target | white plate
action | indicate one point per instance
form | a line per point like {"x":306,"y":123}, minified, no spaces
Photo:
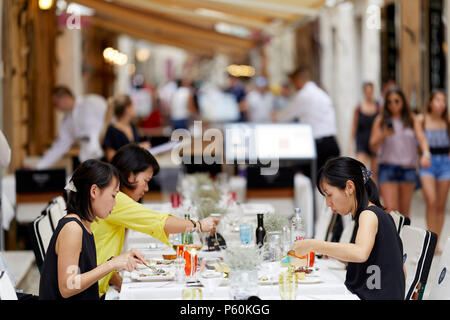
{"x":149,"y":276}
{"x":267,"y":282}
{"x":310,"y":280}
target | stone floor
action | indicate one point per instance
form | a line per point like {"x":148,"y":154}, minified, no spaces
{"x":30,"y":284}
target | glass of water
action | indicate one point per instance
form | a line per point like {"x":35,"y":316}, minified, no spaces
{"x":246,"y":233}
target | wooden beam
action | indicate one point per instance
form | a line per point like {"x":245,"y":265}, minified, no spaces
{"x":196,"y":46}
{"x":272,"y":6}
{"x":234,"y":9}
{"x":192,"y":14}
{"x":151,"y":37}
{"x":163,"y":26}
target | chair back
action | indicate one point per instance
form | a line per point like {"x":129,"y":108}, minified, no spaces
{"x":440,"y":287}
{"x":418,"y":251}
{"x":400,"y":220}
{"x":42,"y":228}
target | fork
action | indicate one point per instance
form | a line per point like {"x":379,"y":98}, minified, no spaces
{"x":157,"y":271}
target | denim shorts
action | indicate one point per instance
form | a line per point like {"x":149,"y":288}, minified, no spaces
{"x":395,"y":173}
{"x":439,"y":168}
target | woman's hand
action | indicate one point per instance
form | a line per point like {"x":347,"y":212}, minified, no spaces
{"x":209,"y":224}
{"x":425,"y":161}
{"x":302,"y":247}
{"x":127,"y":261}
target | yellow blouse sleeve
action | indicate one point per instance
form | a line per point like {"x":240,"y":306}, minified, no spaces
{"x":133,"y":215}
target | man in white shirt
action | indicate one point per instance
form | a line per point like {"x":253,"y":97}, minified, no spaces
{"x":260,"y":102}
{"x":5,"y":151}
{"x":313,"y":106}
{"x":83,"y":122}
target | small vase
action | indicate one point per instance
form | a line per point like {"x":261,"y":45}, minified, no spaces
{"x":243,"y":284}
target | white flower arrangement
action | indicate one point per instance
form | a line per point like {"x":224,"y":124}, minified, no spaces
{"x":206,"y":206}
{"x":273,"y":221}
{"x":240,"y":257}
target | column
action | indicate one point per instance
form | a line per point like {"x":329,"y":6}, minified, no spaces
{"x":371,"y":44}
{"x":346,"y":94}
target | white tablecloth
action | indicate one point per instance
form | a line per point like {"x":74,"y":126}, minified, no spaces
{"x":331,"y":286}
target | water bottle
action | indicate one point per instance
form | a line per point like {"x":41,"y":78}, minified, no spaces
{"x":297,"y":226}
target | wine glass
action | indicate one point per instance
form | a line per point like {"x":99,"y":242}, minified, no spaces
{"x":210,"y":278}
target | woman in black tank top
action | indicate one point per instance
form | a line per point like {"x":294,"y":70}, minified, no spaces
{"x":70,"y":268}
{"x":375,"y":268}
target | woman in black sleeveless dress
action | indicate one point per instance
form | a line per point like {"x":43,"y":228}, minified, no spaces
{"x":375,"y":268}
{"x":363,"y":118}
{"x":70,"y":268}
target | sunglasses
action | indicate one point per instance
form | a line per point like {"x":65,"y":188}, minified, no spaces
{"x":396,"y":101}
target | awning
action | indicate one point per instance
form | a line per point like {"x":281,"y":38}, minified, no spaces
{"x":207,"y":27}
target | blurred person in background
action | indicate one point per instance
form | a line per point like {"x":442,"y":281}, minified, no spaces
{"x":434,"y":124}
{"x":122,"y":131}
{"x":363,"y":117}
{"x":83,"y":122}
{"x":5,"y":151}
{"x":313,"y":106}
{"x":182,"y":105}
{"x":394,"y":138}
{"x":237,"y":89}
{"x":284,"y":97}
{"x":260,"y":102}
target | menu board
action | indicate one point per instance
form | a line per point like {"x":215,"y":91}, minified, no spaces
{"x":283,"y":141}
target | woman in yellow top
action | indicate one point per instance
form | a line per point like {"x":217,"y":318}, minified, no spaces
{"x":136,"y":167}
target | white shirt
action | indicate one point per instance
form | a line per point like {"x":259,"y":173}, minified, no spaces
{"x":260,"y":106}
{"x":313,"y":106}
{"x":5,"y":151}
{"x":84,"y":124}
{"x":179,"y":104}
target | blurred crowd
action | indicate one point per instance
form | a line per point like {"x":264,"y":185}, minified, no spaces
{"x":406,"y":150}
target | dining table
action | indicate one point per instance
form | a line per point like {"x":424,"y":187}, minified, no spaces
{"x":327,"y":283}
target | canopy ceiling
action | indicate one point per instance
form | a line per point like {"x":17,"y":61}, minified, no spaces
{"x":201,"y":26}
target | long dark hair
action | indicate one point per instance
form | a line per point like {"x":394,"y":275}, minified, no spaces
{"x":444,"y":114}
{"x":405,"y":113}
{"x":336,"y":172}
{"x":132,"y":158}
{"x":90,"y":172}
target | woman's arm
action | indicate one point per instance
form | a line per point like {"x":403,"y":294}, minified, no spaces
{"x":379,"y":134}
{"x":179,"y":225}
{"x":357,"y":252}
{"x":68,"y":249}
{"x":425,"y":159}
{"x":109,"y":153}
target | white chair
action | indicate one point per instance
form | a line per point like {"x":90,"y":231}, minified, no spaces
{"x":303,"y":199}
{"x":440,"y":288}
{"x":42,"y":228}
{"x":7,"y":291}
{"x":324,"y":218}
{"x":418,"y":251}
{"x":349,"y":227}
{"x":400,"y":220}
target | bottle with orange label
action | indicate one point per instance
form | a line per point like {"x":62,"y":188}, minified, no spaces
{"x":298,"y":233}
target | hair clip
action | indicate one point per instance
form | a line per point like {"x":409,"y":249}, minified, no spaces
{"x":366,"y":174}
{"x":70,"y":186}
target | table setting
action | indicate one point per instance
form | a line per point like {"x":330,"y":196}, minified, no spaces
{"x":200,"y":267}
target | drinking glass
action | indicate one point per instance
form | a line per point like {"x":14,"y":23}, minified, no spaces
{"x":192,"y":294}
{"x":246,"y":233}
{"x":209,"y":277}
{"x":288,"y":285}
